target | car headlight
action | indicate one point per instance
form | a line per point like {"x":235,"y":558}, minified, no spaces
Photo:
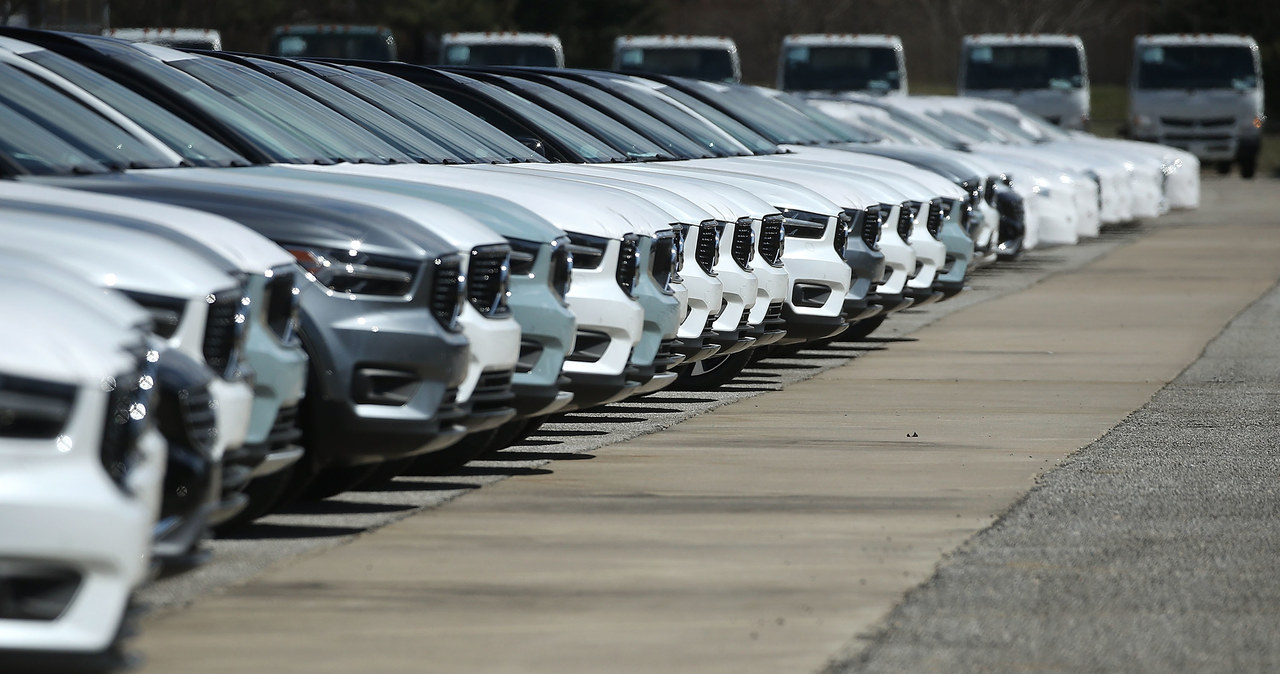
{"x":34,"y":408}
{"x":355,"y":272}
{"x":588,"y":251}
{"x":804,"y":224}
{"x":166,"y":312}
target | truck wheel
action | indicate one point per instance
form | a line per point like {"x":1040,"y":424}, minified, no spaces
{"x":1248,"y":164}
{"x":713,"y":372}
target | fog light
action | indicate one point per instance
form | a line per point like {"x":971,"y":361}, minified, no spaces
{"x":374,"y":386}
{"x":810,"y":295}
{"x":35,"y":591}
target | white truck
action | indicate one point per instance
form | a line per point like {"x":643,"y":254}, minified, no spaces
{"x":866,"y":64}
{"x":502,"y":49}
{"x":1199,"y":93}
{"x":1046,"y":75}
{"x":701,"y":57}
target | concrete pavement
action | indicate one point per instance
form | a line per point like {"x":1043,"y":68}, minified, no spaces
{"x":760,"y":536}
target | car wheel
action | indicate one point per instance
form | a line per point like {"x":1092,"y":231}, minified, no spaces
{"x":711,"y":373}
{"x":862,"y":329}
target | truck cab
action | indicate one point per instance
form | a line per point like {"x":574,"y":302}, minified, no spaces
{"x":1046,"y":75}
{"x":866,"y":64}
{"x":502,"y":49}
{"x":370,"y":43}
{"x":700,"y":57}
{"x":1199,"y":93}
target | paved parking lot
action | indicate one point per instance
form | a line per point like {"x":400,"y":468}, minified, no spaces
{"x":774,"y":530}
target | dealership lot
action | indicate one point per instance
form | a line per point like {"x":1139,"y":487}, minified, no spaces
{"x":765,"y":535}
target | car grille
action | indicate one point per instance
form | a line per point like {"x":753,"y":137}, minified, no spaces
{"x":199,"y":418}
{"x":773,"y":240}
{"x":222,"y":330}
{"x":707,"y":252}
{"x":744,"y":243}
{"x":447,"y":290}
{"x":905,"y":216}
{"x":628,"y":272}
{"x":126,"y":412}
{"x":934,"y":220}
{"x":284,"y":431}
{"x":844,"y":225}
{"x":662,"y":260}
{"x":487,"y":278}
{"x":281,"y":304}
{"x":1188,"y":122}
{"x":493,"y":391}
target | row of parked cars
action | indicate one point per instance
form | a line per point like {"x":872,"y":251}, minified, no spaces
{"x":246,"y":280}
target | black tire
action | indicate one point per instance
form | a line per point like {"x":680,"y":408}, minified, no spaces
{"x":454,"y":456}
{"x":1248,"y":164}
{"x":1223,"y":168}
{"x":334,"y":481}
{"x":265,"y":494}
{"x":712,"y":373}
{"x":862,"y":329}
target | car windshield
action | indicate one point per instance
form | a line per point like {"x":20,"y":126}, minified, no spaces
{"x":193,"y":144}
{"x":276,"y":142}
{"x":588,"y":147}
{"x":715,"y":63}
{"x":748,"y":109}
{"x":453,"y":144}
{"x":840,"y":68}
{"x":476,"y":131}
{"x":1011,"y":125}
{"x":1196,"y":67}
{"x":1023,"y":67}
{"x":970,"y":127}
{"x":340,"y":138}
{"x":663,"y":109}
{"x":927,"y":128}
{"x":599,"y":124}
{"x":673,"y":142}
{"x":370,"y":46}
{"x":36,"y":151}
{"x":838,"y":129}
{"x":539,"y":55}
{"x":74,"y":122}
{"x":737,"y":130}
{"x":389,"y":129}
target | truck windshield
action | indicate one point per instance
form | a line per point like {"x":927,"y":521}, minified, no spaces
{"x":540,"y":55}
{"x":1196,"y":67}
{"x":700,"y":64}
{"x":1023,"y":67}
{"x":807,"y":68}
{"x":370,"y":46}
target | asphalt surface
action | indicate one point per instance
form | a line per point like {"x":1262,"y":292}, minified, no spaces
{"x":1154,"y":549}
{"x":788,"y":515}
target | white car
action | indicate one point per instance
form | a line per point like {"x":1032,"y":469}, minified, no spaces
{"x":81,"y":467}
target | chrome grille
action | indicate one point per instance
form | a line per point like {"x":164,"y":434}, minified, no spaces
{"x":905,"y":217}
{"x":772,"y":240}
{"x":488,"y":274}
{"x":844,"y":225}
{"x":662,"y":260}
{"x":707,"y":252}
{"x":222,"y":331}
{"x":447,"y":288}
{"x":126,"y":413}
{"x":282,"y":303}
{"x":744,"y":243}
{"x":628,"y":271}
{"x":933,"y":221}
